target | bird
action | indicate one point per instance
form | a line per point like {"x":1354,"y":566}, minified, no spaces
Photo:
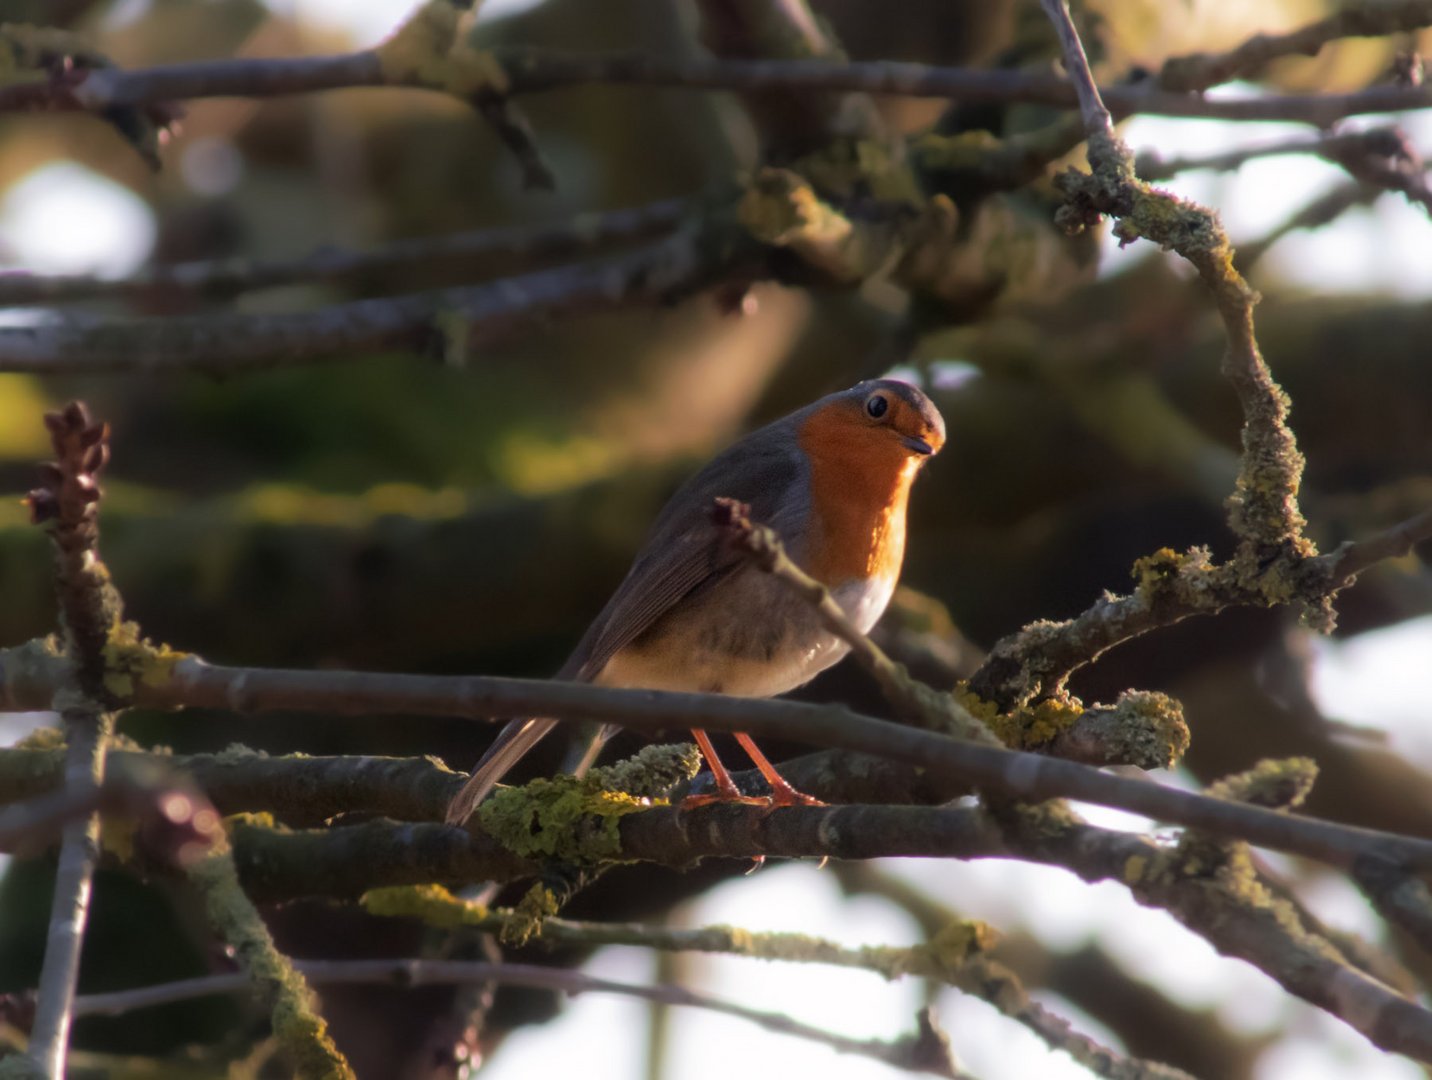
{"x":833,"y":481}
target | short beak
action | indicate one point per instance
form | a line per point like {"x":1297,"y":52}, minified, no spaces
{"x":919,"y":446}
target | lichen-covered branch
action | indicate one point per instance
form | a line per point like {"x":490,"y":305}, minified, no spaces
{"x":299,"y":1029}
{"x":1263,"y":509}
{"x":190,"y":682}
{"x":1218,"y":896}
{"x":1275,"y":563}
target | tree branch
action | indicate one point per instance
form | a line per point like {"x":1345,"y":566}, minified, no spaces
{"x":1218,"y":897}
{"x":299,"y":1029}
{"x":1380,"y":141}
{"x":1199,"y":71}
{"x":911,"y":1053}
{"x":86,"y":730}
{"x":188,"y":682}
{"x":446,"y":321}
{"x":529,"y":70}
{"x":170,"y":809}
{"x":955,"y":956}
{"x":67,"y":504}
{"x":224,"y":278}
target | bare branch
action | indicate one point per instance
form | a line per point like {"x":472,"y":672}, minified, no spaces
{"x":529,"y":70}
{"x":223,"y":278}
{"x":74,"y":876}
{"x":956,"y":956}
{"x":1199,"y":71}
{"x":1321,"y":211}
{"x":1352,"y":558}
{"x":1381,"y":141}
{"x":908,"y":1053}
{"x":446,"y":321}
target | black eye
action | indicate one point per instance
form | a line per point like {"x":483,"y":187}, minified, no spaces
{"x":877,"y":405}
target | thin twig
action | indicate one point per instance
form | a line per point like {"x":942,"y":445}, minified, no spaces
{"x":67,"y":504}
{"x":900,"y":1053}
{"x":86,"y":731}
{"x":1091,"y":106}
{"x":1323,"y":210}
{"x":918,"y":702}
{"x":1347,"y":561}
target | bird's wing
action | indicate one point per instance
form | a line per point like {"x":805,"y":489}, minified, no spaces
{"x":683,"y":553}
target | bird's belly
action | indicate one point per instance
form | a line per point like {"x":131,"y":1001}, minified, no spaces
{"x":769,"y":642}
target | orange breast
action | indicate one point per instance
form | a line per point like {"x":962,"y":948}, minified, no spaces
{"x":860,"y":486}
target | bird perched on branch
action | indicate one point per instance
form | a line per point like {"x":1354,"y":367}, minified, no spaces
{"x":833,"y":480}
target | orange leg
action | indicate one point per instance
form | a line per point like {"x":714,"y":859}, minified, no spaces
{"x":726,"y":789}
{"x":782,"y":794}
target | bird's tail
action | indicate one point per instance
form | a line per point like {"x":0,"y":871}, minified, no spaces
{"x":506,"y":750}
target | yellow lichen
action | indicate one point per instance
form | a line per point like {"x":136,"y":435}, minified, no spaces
{"x":651,"y":772}
{"x":43,"y":738}
{"x":1026,"y":727}
{"x":1042,"y":722}
{"x":1277,"y":783}
{"x":1150,"y":728}
{"x":131,"y":660}
{"x":433,"y":48}
{"x":566,"y":818}
{"x":846,"y":168}
{"x":959,"y":940}
{"x":433,"y":904}
{"x":296,"y":1025}
{"x":538,"y":904}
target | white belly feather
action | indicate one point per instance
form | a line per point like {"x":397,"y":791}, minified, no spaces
{"x":693,"y":663}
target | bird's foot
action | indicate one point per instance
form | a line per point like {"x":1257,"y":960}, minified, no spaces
{"x":783,"y":794}
{"x":693,"y":802}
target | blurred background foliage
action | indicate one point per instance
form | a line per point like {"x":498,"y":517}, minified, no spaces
{"x":391,"y":512}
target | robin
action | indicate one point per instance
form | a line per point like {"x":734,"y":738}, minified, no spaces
{"x":833,"y":480}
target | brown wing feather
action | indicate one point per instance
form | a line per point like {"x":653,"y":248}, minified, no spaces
{"x":684,"y":552}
